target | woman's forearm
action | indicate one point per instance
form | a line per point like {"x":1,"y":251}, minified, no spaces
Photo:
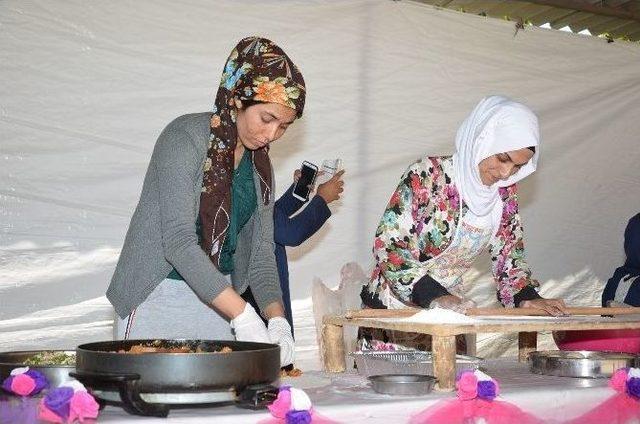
{"x":229,"y":303}
{"x":274,"y":309}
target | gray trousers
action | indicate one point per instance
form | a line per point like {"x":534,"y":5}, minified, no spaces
{"x":173,"y":311}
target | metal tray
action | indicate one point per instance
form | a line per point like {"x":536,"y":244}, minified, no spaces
{"x":56,"y":374}
{"x":403,"y":384}
{"x":581,"y":363}
{"x":373,"y":362}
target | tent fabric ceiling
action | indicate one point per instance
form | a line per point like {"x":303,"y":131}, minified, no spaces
{"x":90,"y":85}
{"x":617,"y":18}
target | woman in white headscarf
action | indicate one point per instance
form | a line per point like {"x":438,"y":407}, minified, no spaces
{"x":447,"y":210}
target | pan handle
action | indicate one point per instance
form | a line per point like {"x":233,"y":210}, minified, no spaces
{"x":128,"y":387}
{"x":257,"y":396}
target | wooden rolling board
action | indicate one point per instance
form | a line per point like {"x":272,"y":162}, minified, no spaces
{"x":478,"y":312}
{"x":522,"y":324}
{"x":444,"y":336}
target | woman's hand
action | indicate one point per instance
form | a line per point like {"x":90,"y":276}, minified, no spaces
{"x":453,"y":303}
{"x":280,"y":333}
{"x":249,"y":327}
{"x":555,"y":307}
{"x":332,"y":189}
{"x":296,"y":176}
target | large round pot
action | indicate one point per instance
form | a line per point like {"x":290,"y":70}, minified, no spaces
{"x":248,"y":364}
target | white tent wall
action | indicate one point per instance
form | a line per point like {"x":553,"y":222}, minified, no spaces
{"x":88,"y":86}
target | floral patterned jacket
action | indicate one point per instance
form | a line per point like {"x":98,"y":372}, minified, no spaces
{"x":419,"y":222}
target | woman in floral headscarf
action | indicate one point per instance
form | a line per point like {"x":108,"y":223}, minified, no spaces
{"x":447,"y":210}
{"x":202,"y":233}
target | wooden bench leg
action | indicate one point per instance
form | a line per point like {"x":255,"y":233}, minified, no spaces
{"x":333,"y":348}
{"x":471,"y":341}
{"x":444,"y":361}
{"x":527,"y":343}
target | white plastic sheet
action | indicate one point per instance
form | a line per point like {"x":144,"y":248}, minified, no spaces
{"x":88,"y":86}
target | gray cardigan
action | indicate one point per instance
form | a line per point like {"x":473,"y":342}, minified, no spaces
{"x":162,"y":232}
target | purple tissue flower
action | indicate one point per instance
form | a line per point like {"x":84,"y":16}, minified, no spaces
{"x":6,"y":384}
{"x":298,"y":417}
{"x":40,"y":380}
{"x":58,"y":401}
{"x":633,"y":387}
{"x":486,"y":390}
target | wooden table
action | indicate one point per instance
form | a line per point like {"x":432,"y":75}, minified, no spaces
{"x":443,"y":336}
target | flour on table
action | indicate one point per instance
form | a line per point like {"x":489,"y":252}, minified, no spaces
{"x":439,"y":316}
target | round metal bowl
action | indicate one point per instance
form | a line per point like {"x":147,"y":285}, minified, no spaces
{"x":56,"y":374}
{"x":249,"y":363}
{"x":581,"y":363}
{"x":403,"y":384}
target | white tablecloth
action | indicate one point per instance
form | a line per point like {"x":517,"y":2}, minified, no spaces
{"x":348,"y":398}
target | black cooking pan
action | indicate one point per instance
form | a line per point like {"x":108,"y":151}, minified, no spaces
{"x":141,"y":376}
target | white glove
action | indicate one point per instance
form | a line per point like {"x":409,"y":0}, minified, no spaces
{"x":249,"y":327}
{"x":453,"y":303}
{"x":280,"y":333}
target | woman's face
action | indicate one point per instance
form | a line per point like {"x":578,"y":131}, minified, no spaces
{"x":503,"y":165}
{"x":263,"y":123}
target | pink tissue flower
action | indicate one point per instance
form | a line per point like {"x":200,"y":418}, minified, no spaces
{"x":23,"y":385}
{"x":618,"y":380}
{"x":467,"y":386}
{"x":45,"y":414}
{"x":282,"y":404}
{"x":82,"y":406}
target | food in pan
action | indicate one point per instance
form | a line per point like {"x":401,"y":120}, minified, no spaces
{"x":51,"y":358}
{"x":158,"y":346}
{"x":140,"y":348}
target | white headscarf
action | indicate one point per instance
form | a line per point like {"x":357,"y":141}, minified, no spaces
{"x":496,"y":125}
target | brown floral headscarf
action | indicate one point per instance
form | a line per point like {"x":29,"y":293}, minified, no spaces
{"x":258,"y":70}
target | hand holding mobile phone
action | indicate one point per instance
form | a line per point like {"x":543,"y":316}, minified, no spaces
{"x":302,"y":188}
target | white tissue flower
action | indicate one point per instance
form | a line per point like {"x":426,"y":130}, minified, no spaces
{"x":299,"y":400}
{"x":481,"y":376}
{"x":18,"y":371}
{"x":634,"y":373}
{"x":75,"y":385}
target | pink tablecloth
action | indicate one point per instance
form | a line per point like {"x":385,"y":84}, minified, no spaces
{"x":348,"y":398}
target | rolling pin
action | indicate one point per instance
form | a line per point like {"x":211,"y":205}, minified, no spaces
{"x":403,"y":313}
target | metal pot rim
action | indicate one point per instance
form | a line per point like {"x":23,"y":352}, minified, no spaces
{"x":88,"y":347}
{"x":578,"y":355}
{"x":402,"y":378}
